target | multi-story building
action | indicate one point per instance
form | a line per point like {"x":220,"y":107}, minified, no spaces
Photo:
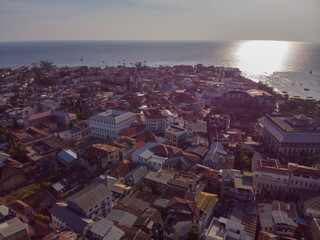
{"x":92,"y":201}
{"x":277,"y":217}
{"x":176,"y":135}
{"x":236,"y":185}
{"x":110,"y":123}
{"x":235,"y":96}
{"x":127,"y":145}
{"x":260,"y":96}
{"x":302,"y":177}
{"x":220,"y":121}
{"x":78,"y":132}
{"x":269,"y":176}
{"x":288,"y":137}
{"x":218,"y":158}
{"x":159,"y":156}
{"x":154,"y":120}
{"x":99,"y":157}
{"x":89,"y":203}
{"x":183,"y":215}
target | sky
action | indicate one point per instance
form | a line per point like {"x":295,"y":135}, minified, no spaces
{"x":205,"y":20}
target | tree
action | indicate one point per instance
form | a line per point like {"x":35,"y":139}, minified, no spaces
{"x":17,"y":150}
{"x":192,"y":235}
{"x":149,"y":136}
{"x":309,"y":159}
{"x":3,"y":133}
{"x":42,"y":218}
{"x":46,"y":65}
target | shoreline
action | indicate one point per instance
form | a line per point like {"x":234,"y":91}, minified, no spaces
{"x":254,"y":80}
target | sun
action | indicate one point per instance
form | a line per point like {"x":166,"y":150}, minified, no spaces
{"x":262,"y":57}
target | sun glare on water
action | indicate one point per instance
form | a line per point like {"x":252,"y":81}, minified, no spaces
{"x":262,"y":57}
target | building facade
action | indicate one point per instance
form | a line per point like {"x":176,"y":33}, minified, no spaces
{"x":176,"y":135}
{"x":109,"y":124}
{"x":288,"y":138}
{"x":268,"y":176}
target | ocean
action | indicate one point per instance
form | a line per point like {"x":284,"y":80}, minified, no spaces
{"x":293,"y":67}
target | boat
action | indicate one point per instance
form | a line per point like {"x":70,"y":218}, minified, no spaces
{"x":309,"y":97}
{"x":81,"y":58}
{"x":306,"y":89}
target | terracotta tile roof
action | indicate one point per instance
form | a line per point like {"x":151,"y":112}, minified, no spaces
{"x":145,"y":196}
{"x":185,"y":210}
{"x":129,"y":208}
{"x":39,"y":115}
{"x":140,"y":144}
{"x":28,"y":135}
{"x":133,"y":131}
{"x":122,"y":168}
{"x":153,"y":114}
{"x":165,"y":150}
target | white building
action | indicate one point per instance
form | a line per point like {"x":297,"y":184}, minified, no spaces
{"x":172,"y":118}
{"x":269,"y":176}
{"x":78,"y":132}
{"x":287,"y":137}
{"x":148,"y":158}
{"x":302,"y":177}
{"x":176,"y":135}
{"x":278,"y":217}
{"x":111,"y":123}
{"x":92,"y":201}
{"x":154,"y":120}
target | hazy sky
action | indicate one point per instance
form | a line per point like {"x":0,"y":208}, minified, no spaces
{"x":293,"y":20}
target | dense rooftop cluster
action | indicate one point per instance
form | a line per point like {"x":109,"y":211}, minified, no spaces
{"x":140,"y":152}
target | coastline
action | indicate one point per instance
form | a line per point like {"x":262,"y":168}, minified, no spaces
{"x":301,"y":58}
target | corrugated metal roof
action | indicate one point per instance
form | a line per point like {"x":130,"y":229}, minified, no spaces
{"x":102,"y":227}
{"x":137,"y":174}
{"x":4,"y":211}
{"x":281,"y":217}
{"x":160,"y":176}
{"x":136,"y":202}
{"x":67,"y":155}
{"x":206,"y":201}
{"x":73,"y":220}
{"x":90,"y":196}
{"x":12,"y":226}
{"x":114,"y":234}
{"x":125,"y":218}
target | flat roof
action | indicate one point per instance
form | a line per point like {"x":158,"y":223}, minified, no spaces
{"x":114,"y":116}
{"x":176,"y":129}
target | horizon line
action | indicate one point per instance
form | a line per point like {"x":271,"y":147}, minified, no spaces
{"x":154,"y":40}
